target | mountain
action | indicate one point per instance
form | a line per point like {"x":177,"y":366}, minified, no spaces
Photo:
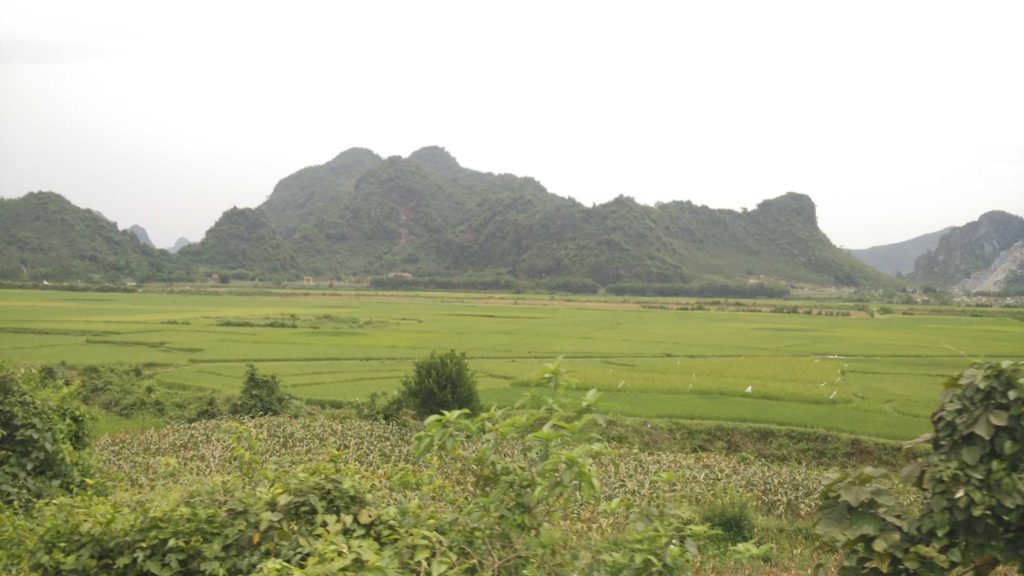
{"x":898,"y":259}
{"x":315,"y":189}
{"x":1006,"y":273}
{"x":45,"y":237}
{"x":361,"y":214}
{"x":243,"y":244}
{"x":178,"y":245}
{"x":968,"y":249}
{"x":141,"y":234}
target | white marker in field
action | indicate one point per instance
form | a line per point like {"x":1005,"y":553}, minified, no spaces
{"x":750,"y":389}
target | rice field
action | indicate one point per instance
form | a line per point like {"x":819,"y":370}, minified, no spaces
{"x":870,"y":375}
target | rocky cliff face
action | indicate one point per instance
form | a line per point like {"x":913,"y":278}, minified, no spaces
{"x":993,"y":279}
{"x":968,"y":249}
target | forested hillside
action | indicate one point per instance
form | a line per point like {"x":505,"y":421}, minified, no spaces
{"x":360,"y":215}
{"x":43,"y":237}
{"x":241,"y":243}
{"x":427,"y":215}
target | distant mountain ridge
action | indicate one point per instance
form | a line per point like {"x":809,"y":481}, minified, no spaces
{"x":180,"y":243}
{"x":968,"y":249}
{"x":45,"y":237}
{"x":425,"y":214}
{"x":898,"y":258}
{"x":361,"y":215}
{"x":141,"y":234}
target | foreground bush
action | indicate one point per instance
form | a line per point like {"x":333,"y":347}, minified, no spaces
{"x":316,"y":518}
{"x":972,"y":487}
{"x":42,"y":431}
{"x":510,"y":491}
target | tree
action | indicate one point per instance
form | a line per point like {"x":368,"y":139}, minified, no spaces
{"x":261,"y":395}
{"x":441,"y":381}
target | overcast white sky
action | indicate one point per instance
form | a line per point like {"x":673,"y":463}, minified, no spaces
{"x":897,"y":118}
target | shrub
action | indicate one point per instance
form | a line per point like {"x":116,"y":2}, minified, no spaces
{"x":315,"y":518}
{"x":971,"y":486}
{"x":732,"y":515}
{"x":441,"y":381}
{"x":208,"y":410}
{"x":261,"y":395}
{"x":42,"y":431}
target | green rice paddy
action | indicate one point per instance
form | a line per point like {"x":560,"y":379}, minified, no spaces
{"x":875,"y":376}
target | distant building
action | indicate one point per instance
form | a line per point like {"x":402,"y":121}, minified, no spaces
{"x":215,"y":278}
{"x":307,"y":280}
{"x":399,"y":275}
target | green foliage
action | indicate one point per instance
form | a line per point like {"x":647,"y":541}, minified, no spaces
{"x":568,"y":285}
{"x":481,"y":282}
{"x":45,"y":237}
{"x":42,"y":432}
{"x":498,"y":494}
{"x":121,"y":391}
{"x":210,"y":408}
{"x":360,"y":214}
{"x":315,"y":519}
{"x":732,"y":515}
{"x":532,"y":465}
{"x":240,"y":245}
{"x":720,"y":289}
{"x":972,"y":487}
{"x":261,"y":395}
{"x":441,"y":381}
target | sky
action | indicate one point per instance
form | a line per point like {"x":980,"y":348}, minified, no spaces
{"x":897,"y":117}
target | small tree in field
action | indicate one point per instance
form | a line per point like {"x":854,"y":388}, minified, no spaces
{"x":261,"y":395}
{"x":441,"y":381}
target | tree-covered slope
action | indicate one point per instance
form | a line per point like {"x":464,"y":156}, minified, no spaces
{"x":898,"y":258}
{"x":312,"y":190}
{"x":426,"y":215}
{"x":967,"y":249}
{"x":242,"y":241}
{"x":363,"y":215}
{"x":45,"y":237}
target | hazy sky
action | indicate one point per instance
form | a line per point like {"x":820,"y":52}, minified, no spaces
{"x":897,"y":118}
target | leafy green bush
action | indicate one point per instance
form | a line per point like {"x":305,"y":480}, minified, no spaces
{"x":317,"y":518}
{"x":42,"y":431}
{"x":532,"y":466}
{"x":971,"y":485}
{"x":732,"y":515}
{"x":505,"y":492}
{"x":122,"y":391}
{"x":261,"y":395}
{"x":209,"y":409}
{"x":441,"y":381}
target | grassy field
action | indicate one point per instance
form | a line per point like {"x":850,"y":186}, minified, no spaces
{"x":871,"y":375}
